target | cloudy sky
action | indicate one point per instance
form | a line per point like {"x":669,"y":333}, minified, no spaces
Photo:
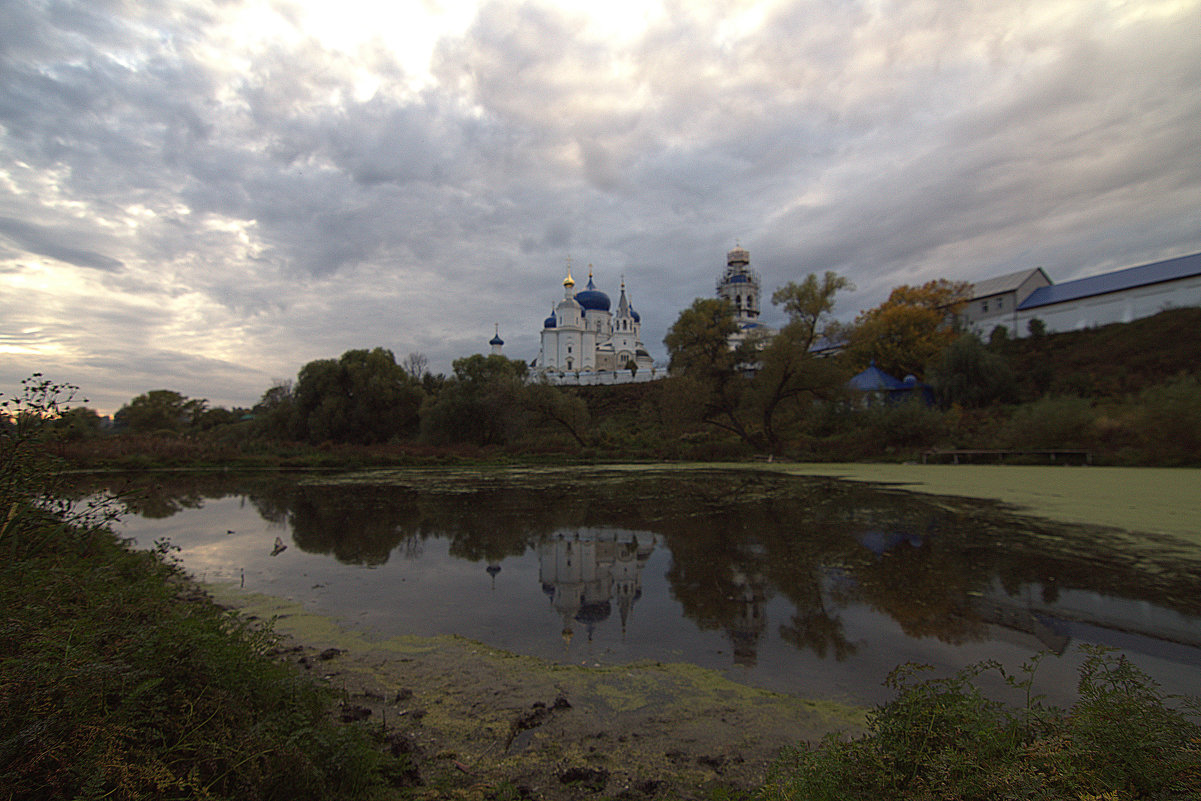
{"x":203,"y":195}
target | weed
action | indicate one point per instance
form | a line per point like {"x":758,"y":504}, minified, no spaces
{"x":943,"y":738}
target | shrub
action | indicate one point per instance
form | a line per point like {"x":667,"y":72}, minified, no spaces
{"x":970,"y":375}
{"x":943,"y":738}
{"x":1171,"y":421}
{"x":1064,"y":422}
{"x":904,"y":425}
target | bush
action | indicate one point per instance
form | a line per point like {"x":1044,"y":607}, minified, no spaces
{"x":970,"y":375}
{"x":1052,"y":423}
{"x":943,"y":738}
{"x":910,"y":424}
{"x":1171,"y":421}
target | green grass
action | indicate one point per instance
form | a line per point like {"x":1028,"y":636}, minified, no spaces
{"x":945,"y":739}
{"x":114,"y":685}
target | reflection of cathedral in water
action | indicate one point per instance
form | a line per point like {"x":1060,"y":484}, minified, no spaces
{"x":586,"y":572}
{"x":750,"y":619}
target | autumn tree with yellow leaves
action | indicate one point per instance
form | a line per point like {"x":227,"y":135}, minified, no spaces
{"x":911,"y":329}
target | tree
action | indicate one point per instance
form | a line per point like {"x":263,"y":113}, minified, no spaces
{"x":790,"y":376}
{"x":160,"y":410}
{"x":552,"y":404}
{"x":363,"y":397}
{"x":482,"y":403}
{"x":77,"y":423}
{"x":416,"y":365}
{"x":698,"y":346}
{"x":911,"y":329}
{"x":970,"y":375}
{"x":275,"y":413}
{"x":754,"y":388}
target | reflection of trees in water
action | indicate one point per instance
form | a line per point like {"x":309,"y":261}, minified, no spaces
{"x":356,"y":524}
{"x":158,"y":496}
{"x":736,"y":540}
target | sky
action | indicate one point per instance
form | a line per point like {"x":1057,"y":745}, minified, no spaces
{"x":204,"y":195}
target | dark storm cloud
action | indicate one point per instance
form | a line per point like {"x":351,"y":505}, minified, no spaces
{"x":48,"y":242}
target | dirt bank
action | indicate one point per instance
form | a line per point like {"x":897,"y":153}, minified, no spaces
{"x":484,"y":723}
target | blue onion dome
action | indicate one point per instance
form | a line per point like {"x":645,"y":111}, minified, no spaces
{"x":550,"y":321}
{"x":496,"y":340}
{"x":592,"y":299}
{"x":637,"y":317}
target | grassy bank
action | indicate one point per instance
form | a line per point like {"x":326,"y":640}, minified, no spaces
{"x":118,"y":680}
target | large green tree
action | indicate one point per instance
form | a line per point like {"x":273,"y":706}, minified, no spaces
{"x":160,"y":410}
{"x":482,"y":403}
{"x":968,"y":374}
{"x":755,"y":387}
{"x":362,"y":397}
{"x":706,"y":367}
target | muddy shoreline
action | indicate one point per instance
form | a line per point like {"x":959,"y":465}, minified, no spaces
{"x":483,"y":723}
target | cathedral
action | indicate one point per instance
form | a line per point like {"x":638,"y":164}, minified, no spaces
{"x":583,"y":335}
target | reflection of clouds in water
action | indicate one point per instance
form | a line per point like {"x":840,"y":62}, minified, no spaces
{"x":817,"y":588}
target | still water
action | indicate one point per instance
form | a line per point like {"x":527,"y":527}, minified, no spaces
{"x":810,"y":586}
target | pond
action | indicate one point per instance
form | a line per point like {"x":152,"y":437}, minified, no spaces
{"x":811,"y":586}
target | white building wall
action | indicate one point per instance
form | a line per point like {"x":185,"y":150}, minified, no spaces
{"x":1114,"y":307}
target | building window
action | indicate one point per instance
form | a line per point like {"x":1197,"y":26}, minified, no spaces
{"x":984,"y":305}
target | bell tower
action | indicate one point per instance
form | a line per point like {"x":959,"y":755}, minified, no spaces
{"x":739,"y":286}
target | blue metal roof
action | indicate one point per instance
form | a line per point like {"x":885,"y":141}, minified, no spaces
{"x":1117,"y":281}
